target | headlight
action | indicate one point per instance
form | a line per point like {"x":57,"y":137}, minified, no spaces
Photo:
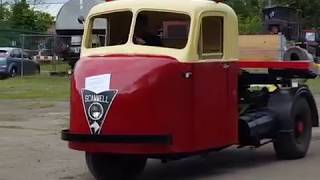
{"x":3,"y":66}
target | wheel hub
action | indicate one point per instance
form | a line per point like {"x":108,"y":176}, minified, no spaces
{"x":299,"y":128}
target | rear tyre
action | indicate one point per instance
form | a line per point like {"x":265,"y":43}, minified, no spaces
{"x":115,"y":167}
{"x":38,"y":71}
{"x":13,"y":72}
{"x":295,"y":145}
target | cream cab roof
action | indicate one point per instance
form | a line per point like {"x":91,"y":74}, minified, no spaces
{"x":187,"y":6}
{"x":193,"y":8}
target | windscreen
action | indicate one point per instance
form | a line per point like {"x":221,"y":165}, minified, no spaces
{"x":110,"y":29}
{"x":3,"y":53}
{"x":162,"y":29}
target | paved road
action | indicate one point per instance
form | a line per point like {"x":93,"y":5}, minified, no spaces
{"x":30,"y":148}
{"x":244,"y":164}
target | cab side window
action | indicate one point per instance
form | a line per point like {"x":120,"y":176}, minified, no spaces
{"x":211,"y":38}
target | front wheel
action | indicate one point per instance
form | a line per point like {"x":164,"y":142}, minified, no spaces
{"x":115,"y":167}
{"x":295,"y":145}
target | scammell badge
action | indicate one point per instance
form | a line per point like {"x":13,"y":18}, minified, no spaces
{"x":96,"y":107}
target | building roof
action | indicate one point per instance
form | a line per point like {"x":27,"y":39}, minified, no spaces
{"x":67,"y":18}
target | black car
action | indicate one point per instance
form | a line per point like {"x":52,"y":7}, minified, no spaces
{"x":14,"y":61}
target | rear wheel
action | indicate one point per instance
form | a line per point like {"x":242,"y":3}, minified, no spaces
{"x":13,"y":72}
{"x":115,"y":167}
{"x":295,"y":145}
{"x":38,"y":70}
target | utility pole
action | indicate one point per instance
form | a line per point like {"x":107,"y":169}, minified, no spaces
{"x":81,"y":4}
{"x":1,"y":11}
{"x":269,"y":3}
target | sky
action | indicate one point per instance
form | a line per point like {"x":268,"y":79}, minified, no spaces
{"x":50,"y":6}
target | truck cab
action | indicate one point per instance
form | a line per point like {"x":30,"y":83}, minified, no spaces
{"x":177,"y":27}
{"x":162,"y":80}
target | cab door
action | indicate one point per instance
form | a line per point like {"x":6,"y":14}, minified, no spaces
{"x":214,"y":123}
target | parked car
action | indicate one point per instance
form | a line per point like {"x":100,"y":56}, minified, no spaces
{"x":14,"y":61}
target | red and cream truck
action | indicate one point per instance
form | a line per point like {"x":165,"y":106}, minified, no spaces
{"x":163,"y":80}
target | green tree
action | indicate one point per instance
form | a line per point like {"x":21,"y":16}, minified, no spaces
{"x":250,"y":25}
{"x":309,"y":11}
{"x":22,"y":16}
{"x":25,"y":18}
{"x":4,"y":13}
{"x":249,"y":13}
{"x":43,"y":21}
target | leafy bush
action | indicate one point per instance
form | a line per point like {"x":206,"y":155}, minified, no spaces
{"x":250,"y":25}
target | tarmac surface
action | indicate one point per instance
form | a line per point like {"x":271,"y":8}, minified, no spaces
{"x":30,"y":148}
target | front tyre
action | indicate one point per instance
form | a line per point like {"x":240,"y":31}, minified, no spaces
{"x":13,"y":72}
{"x":295,"y":145}
{"x":115,"y":167}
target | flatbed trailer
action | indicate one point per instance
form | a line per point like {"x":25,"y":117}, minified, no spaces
{"x":182,"y":92}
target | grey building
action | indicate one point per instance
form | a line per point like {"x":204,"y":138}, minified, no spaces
{"x":67,"y":18}
{"x":68,"y":29}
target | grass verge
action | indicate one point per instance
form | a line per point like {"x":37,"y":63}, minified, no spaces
{"x":314,"y":85}
{"x":59,"y":67}
{"x":41,"y":87}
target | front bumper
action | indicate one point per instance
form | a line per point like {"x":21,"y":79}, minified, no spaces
{"x":122,"y":139}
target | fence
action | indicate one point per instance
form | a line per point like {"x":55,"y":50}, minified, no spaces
{"x":54,"y":50}
{"x":11,"y":37}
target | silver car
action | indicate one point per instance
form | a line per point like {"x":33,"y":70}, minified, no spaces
{"x":13,"y":62}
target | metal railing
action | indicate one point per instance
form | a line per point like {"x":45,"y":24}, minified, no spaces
{"x":49,"y":49}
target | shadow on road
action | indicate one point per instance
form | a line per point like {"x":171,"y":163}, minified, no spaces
{"x":216,"y":164}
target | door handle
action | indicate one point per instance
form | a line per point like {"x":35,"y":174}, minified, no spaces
{"x":226,"y":66}
{"x":187,"y":75}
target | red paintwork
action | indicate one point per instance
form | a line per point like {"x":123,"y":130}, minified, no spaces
{"x":297,"y":65}
{"x":156,"y":99}
{"x":214,"y":99}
